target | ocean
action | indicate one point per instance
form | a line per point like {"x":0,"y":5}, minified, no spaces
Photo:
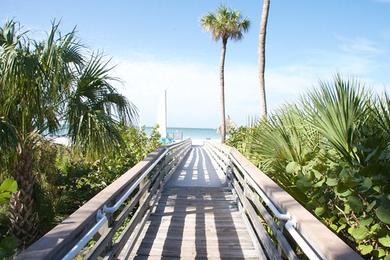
{"x":177,"y":133}
{"x":193,"y":133}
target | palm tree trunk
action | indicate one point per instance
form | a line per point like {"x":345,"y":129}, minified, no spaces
{"x":24,"y":219}
{"x":262,"y":37}
{"x":222,"y":82}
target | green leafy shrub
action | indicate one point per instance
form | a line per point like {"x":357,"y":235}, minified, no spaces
{"x":332,"y":153}
{"x":8,"y":243}
{"x":67,"y":180}
{"x":76,"y":180}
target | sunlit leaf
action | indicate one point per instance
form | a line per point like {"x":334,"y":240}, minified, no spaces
{"x":385,"y":241}
{"x":358,"y":233}
{"x":365,"y":249}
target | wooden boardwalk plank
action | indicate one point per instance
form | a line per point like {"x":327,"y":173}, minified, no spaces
{"x":196,"y":217}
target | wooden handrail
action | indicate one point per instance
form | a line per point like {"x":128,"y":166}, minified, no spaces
{"x":57,"y":242}
{"x":243,"y":175}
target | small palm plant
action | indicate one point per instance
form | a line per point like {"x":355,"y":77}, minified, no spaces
{"x":382,"y":113}
{"x":223,"y":25}
{"x":43,"y":86}
{"x":338,"y":110}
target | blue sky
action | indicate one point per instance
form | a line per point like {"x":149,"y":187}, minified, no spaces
{"x":160,"y":45}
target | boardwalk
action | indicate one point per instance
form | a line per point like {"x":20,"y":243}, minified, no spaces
{"x":196,"y":217}
{"x":200,"y":212}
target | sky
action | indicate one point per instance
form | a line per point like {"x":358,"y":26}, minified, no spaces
{"x":158,"y":45}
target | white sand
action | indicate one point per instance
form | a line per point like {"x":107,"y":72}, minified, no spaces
{"x":201,"y":141}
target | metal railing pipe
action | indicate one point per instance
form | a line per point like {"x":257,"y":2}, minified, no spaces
{"x":130,"y":190}
{"x":86,"y":238}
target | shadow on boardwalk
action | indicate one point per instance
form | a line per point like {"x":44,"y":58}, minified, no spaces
{"x":196,"y":216}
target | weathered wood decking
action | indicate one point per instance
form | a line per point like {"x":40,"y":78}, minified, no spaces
{"x":196,"y":217}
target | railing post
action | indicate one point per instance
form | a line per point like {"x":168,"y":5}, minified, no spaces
{"x":229,"y":174}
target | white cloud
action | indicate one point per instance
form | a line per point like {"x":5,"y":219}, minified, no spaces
{"x":193,"y":88}
{"x":358,"y":45}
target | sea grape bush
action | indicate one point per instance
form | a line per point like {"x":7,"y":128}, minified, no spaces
{"x":331,"y":151}
{"x":7,"y":241}
{"x":67,"y":179}
{"x":78,"y":180}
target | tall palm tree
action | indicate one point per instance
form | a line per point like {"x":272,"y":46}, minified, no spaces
{"x":43,"y":86}
{"x":261,"y":50}
{"x":223,"y":25}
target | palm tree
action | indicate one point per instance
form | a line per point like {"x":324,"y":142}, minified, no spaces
{"x":223,"y":25}
{"x":43,"y":86}
{"x":262,"y":37}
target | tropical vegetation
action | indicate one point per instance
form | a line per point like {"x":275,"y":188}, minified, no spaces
{"x":223,"y":25}
{"x":7,"y":241}
{"x":331,"y":151}
{"x":48,"y":86}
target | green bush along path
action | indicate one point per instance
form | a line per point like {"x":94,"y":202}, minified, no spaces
{"x":331,"y":151}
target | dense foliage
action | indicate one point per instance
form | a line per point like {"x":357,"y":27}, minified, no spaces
{"x":47,"y":85}
{"x":332,"y":153}
{"x":7,"y":241}
{"x":79,"y":180}
{"x":66,"y":180}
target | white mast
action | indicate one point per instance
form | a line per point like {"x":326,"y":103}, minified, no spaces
{"x":162,"y":116}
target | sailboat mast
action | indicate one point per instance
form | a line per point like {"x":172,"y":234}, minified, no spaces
{"x":165,"y":107}
{"x":162,"y":116}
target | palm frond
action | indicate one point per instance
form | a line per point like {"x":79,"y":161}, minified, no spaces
{"x":338,"y":109}
{"x":8,"y":135}
{"x":382,"y":113}
{"x":96,"y":110}
{"x":284,"y":137}
{"x":225,"y":24}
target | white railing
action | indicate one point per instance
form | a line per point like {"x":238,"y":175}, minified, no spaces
{"x":113,"y":218}
{"x":283,"y":228}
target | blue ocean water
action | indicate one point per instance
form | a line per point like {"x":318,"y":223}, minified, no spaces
{"x":194,"y":133}
{"x":175,"y":132}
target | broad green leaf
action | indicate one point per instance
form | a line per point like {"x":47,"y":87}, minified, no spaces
{"x":293,"y":167}
{"x":317,"y":174}
{"x":342,"y":190}
{"x":358,"y":233}
{"x":366,"y":221}
{"x":365,"y":249}
{"x":355,"y":203}
{"x":303,"y":184}
{"x":377,"y":189}
{"x":374,"y":228}
{"x":380,"y":252}
{"x":9,"y":185}
{"x":319,"y":211}
{"x":332,"y":181}
{"x":366,"y":184}
{"x":385,"y":241}
{"x":319,"y":183}
{"x":334,"y":227}
{"x":383,"y":213}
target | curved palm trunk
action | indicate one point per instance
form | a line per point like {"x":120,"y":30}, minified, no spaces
{"x":222,"y":97}
{"x":24,"y":219}
{"x":262,"y":36}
